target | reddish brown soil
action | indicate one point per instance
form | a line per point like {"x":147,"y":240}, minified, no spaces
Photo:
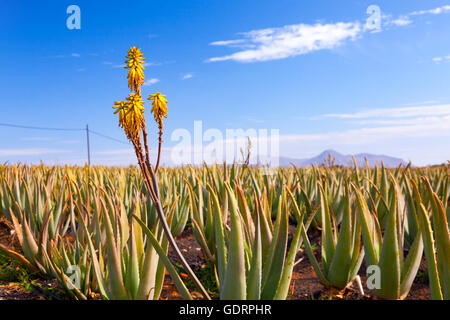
{"x":304,"y":285}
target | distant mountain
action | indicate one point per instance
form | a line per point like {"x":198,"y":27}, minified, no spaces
{"x":343,"y":160}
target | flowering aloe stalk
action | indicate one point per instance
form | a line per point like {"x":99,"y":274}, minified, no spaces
{"x":132,"y":120}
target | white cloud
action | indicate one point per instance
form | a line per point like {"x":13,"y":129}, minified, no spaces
{"x":441,"y":59}
{"x":76,"y":55}
{"x":401,"y":121}
{"x":436,"y":110}
{"x":149,"y":64}
{"x":402,"y":21}
{"x":69,"y":141}
{"x":54,"y":140}
{"x":145,"y":64}
{"x":125,"y":152}
{"x":227,"y":42}
{"x":239,"y":43}
{"x":29,"y":152}
{"x":391,"y":131}
{"x":36,"y":139}
{"x":187,"y":76}
{"x":429,"y":127}
{"x":422,"y":103}
{"x":151,"y":81}
{"x":291,"y":40}
{"x":438,"y":10}
{"x":255,"y":120}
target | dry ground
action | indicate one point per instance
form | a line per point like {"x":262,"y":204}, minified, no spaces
{"x":304,"y":286}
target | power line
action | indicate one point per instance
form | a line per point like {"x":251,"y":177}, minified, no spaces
{"x":68,"y":129}
{"x":38,"y":128}
{"x":107,"y":137}
{"x":61,"y":129}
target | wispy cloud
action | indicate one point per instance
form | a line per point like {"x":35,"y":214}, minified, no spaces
{"x":72,"y":55}
{"x":298,"y":39}
{"x":30,"y":152}
{"x":401,"y":21}
{"x":402,"y":121}
{"x":432,"y":127}
{"x":53,"y":140}
{"x":396,"y":129}
{"x":112,"y":152}
{"x":187,"y":76}
{"x":404,"y":112}
{"x":422,"y":103}
{"x":151,"y":81}
{"x":255,"y":120}
{"x":438,"y":10}
{"x":146,"y":64}
{"x":69,"y":141}
{"x":227,"y":42}
{"x":158,"y":63}
{"x":441,"y":59}
{"x":291,"y":40}
{"x":36,"y":139}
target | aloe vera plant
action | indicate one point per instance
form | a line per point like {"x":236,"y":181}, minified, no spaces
{"x":436,"y":242}
{"x":397,"y":273}
{"x":254,"y":265}
{"x":341,"y":252}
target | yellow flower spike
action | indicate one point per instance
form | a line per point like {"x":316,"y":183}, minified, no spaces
{"x":135,"y":74}
{"x":120,"y":107}
{"x":131,"y":116}
{"x":134,"y":117}
{"x":159,"y":107}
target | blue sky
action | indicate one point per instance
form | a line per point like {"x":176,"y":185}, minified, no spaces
{"x":308,"y":68}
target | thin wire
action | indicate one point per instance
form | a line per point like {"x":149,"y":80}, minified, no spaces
{"x":107,"y":137}
{"x":62,"y":129}
{"x":39,"y":128}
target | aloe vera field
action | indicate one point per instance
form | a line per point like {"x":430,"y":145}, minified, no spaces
{"x":230,"y":232}
{"x":249,"y":231}
{"x":238,"y":216}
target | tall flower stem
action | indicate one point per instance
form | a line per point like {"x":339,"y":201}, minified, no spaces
{"x":131,"y":118}
{"x":166,"y":228}
{"x":159,"y":149}
{"x":153,"y":190}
